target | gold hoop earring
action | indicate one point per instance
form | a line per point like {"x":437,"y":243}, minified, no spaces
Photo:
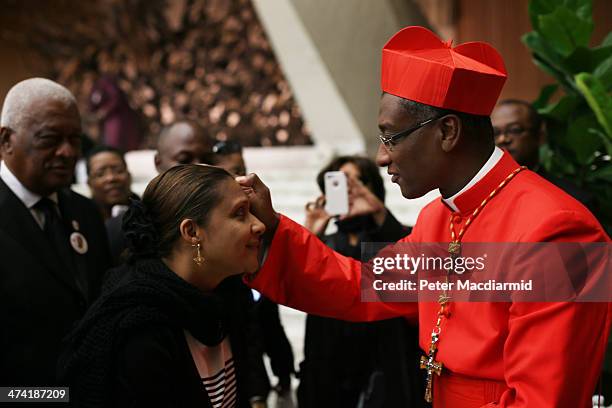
{"x":198,"y":259}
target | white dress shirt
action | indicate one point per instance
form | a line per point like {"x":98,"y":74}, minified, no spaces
{"x":28,"y":198}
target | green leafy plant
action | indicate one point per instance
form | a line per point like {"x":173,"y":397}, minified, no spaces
{"x":578,"y":108}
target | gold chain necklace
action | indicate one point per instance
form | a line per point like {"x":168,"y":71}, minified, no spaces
{"x":429,"y":362}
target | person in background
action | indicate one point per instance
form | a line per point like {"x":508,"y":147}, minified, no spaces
{"x":52,"y":241}
{"x":109,"y":180}
{"x":345,"y":363}
{"x":519,"y":128}
{"x":118,"y":122}
{"x":181,"y":143}
{"x":228,"y":155}
{"x":160,"y":335}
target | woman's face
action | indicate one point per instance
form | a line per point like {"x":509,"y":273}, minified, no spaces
{"x":351,"y":170}
{"x":232,"y":236}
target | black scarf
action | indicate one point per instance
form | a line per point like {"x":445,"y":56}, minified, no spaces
{"x":355,"y":225}
{"x":136,"y":296}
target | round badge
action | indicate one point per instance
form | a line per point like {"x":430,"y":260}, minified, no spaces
{"x":75,"y":225}
{"x":79,"y":243}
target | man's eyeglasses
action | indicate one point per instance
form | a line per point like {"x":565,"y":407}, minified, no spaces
{"x":392,"y":140}
{"x":511,"y":131}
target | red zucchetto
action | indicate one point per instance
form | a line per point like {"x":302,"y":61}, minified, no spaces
{"x":417,"y":65}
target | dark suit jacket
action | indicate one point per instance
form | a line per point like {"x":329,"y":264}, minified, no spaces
{"x":116,"y":238}
{"x":572,"y":189}
{"x":39,"y":299}
{"x":341,"y":358}
{"x":275,"y":342}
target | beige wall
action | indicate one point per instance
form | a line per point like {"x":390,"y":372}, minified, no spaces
{"x":349,"y":36}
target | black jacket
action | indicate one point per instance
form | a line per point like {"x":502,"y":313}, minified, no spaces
{"x":257,"y":383}
{"x":130,"y":348}
{"x":341,"y":358}
{"x":39,"y":299}
{"x":585,"y":197}
{"x":275,"y":342}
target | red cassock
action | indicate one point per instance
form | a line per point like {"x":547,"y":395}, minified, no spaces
{"x":532,"y":355}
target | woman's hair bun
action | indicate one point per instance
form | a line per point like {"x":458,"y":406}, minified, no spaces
{"x":140,"y":233}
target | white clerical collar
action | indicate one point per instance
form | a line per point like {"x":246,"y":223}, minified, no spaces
{"x":28,"y":198}
{"x":488,"y":166}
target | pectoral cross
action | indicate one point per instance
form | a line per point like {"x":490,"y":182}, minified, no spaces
{"x":431,"y":366}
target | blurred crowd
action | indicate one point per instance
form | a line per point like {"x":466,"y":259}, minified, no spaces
{"x":208,"y":62}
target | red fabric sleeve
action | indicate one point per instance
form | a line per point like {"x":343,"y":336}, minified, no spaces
{"x":303,"y":273}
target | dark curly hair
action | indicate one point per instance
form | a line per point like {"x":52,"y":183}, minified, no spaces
{"x":151,"y":226}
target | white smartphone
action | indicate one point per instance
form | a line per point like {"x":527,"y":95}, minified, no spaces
{"x":336,"y":193}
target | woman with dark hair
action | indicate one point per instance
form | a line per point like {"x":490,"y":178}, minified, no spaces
{"x":362,"y":173}
{"x":348,"y":364}
{"x":160,"y":335}
{"x":361,"y":168}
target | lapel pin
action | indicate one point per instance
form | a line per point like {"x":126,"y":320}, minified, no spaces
{"x":75,"y":225}
{"x":79,"y":243}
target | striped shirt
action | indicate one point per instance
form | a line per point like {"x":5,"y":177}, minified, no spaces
{"x":216,"y":368}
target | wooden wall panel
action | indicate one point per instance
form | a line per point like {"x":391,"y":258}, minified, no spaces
{"x":502,"y":23}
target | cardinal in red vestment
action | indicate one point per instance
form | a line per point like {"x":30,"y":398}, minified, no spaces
{"x":436,"y":133}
